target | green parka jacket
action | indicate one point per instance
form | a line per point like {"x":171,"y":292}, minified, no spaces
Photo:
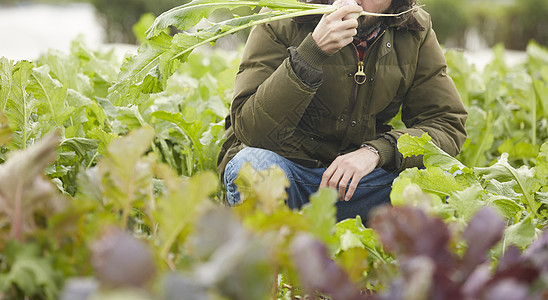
{"x":273,"y":109}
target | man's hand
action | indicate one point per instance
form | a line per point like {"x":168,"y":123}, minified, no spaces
{"x":352,"y":166}
{"x":336,"y":30}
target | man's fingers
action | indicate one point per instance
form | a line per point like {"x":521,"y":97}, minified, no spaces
{"x":327,"y":175}
{"x":352,"y":187}
{"x":335,"y":179}
{"x":350,"y":24}
{"x":343,"y":11}
{"x":342,"y":186}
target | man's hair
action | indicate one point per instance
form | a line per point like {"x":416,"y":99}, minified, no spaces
{"x":404,"y":21}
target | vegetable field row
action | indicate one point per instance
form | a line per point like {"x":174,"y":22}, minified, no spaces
{"x":109,"y":190}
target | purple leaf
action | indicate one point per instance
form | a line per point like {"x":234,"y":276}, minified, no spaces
{"x":483,"y":232}
{"x":318,"y":272}
{"x":121,"y":260}
{"x":508,"y":289}
{"x":410,"y":232}
{"x":474,"y":284}
{"x":537,"y":252}
{"x":511,"y":257}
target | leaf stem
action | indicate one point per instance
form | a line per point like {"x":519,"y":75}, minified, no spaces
{"x":322,"y":10}
{"x":366,"y":13}
{"x":17,"y":225}
{"x":46,"y":94}
{"x":483,"y":144}
{"x":127,"y":205}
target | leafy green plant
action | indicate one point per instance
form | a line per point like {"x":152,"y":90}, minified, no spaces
{"x":493,"y":94}
{"x":141,"y":167}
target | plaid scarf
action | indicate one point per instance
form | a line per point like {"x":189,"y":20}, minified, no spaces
{"x":363,"y":44}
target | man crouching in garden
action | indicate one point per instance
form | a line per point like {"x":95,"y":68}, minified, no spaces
{"x":315,"y":95}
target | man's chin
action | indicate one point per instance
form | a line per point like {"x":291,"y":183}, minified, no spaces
{"x":366,"y":24}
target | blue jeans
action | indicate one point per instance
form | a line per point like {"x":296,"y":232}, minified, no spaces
{"x":373,"y":189}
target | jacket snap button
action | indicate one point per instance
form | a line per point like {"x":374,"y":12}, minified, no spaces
{"x":341,"y":120}
{"x":354,"y":123}
{"x":388,"y":45}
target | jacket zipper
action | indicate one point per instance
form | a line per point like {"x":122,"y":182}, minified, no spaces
{"x":360,"y":72}
{"x":361,"y":66}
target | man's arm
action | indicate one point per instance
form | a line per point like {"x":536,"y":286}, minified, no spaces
{"x":270,"y":98}
{"x":432,"y":105}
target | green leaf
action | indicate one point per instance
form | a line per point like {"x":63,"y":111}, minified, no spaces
{"x":479,"y":127}
{"x":265,"y":188}
{"x":104,"y":137}
{"x":406,"y":192}
{"x":20,"y":106}
{"x":188,"y":130}
{"x":141,"y":72}
{"x":506,"y":207}
{"x":80,"y":145}
{"x":161,"y":56}
{"x":126,"y":176}
{"x":541,"y":167}
{"x":50,"y":95}
{"x":521,"y":234}
{"x":178,"y":204}
{"x":349,"y":240}
{"x":433,"y":155}
{"x":542,"y":197}
{"x":503,"y":171}
{"x":5,"y":131}
{"x":432,"y":180}
{"x":505,"y":189}
{"x":412,"y":146}
{"x":541,"y":90}
{"x":6,"y":81}
{"x":519,"y":150}
{"x":367,"y":236}
{"x":66,"y":69}
{"x":467,"y":202}
{"x":30,"y":272}
{"x":321,"y":213}
{"x":140,"y":28}
{"x":186,"y":16}
{"x":503,"y":197}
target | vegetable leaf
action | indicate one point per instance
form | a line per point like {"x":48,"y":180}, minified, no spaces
{"x":24,"y":191}
{"x":127,"y":179}
{"x":178,"y":204}
{"x":50,"y":95}
{"x":21,"y":105}
{"x":503,"y":171}
{"x":5,"y":131}
{"x":6,"y":81}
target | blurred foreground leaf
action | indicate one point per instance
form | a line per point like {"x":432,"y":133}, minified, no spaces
{"x":25,"y":193}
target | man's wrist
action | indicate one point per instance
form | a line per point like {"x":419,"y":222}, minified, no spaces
{"x":372,"y":149}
